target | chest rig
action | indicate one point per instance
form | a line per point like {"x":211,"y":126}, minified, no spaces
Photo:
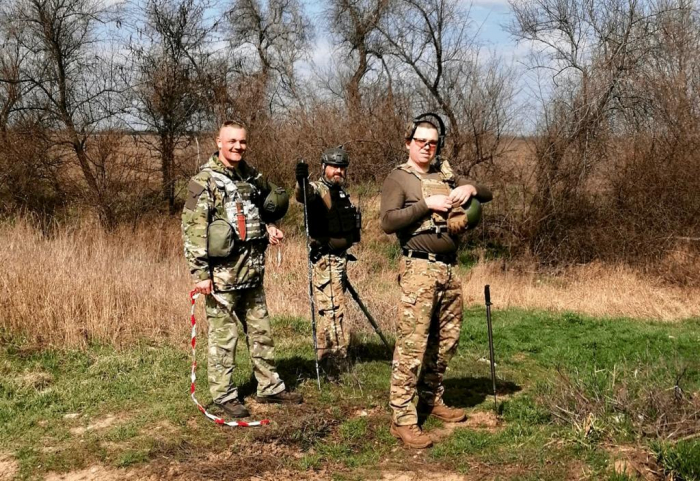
{"x":239,"y":205}
{"x":339,"y":217}
{"x":437,"y":221}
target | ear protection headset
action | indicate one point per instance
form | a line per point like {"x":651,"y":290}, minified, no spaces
{"x":441,"y":124}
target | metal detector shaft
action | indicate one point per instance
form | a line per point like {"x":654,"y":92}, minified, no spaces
{"x":311,"y":290}
{"x":371,"y":320}
{"x":487,"y":295}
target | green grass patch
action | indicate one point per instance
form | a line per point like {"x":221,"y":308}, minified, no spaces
{"x":568,"y":385}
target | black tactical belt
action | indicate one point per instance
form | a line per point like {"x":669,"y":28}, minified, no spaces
{"x":446,"y":258}
{"x":318,"y":252}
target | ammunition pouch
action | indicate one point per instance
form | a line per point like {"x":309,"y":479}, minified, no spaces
{"x":221,"y":239}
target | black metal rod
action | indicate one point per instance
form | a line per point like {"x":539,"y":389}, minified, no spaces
{"x":487,"y":295}
{"x":371,"y":320}
{"x":311,"y":289}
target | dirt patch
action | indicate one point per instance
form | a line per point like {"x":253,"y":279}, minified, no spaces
{"x":480,"y":420}
{"x":577,"y":470}
{"x":101,"y":423}
{"x":247,"y":461}
{"x":421,"y":475}
{"x":163,"y":430}
{"x":635,"y":462}
{"x":8,"y":467}
{"x":101,"y":473}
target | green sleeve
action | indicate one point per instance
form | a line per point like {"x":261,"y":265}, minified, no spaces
{"x":195,"y":221}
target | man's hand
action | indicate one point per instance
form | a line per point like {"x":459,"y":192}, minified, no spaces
{"x":204,"y":287}
{"x":462,"y":194}
{"x":439,"y":203}
{"x":302,"y":171}
{"x":276,"y":235}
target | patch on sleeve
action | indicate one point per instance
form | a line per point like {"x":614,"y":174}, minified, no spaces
{"x":194,"y":190}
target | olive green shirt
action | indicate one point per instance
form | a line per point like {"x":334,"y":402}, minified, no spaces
{"x":403,"y":208}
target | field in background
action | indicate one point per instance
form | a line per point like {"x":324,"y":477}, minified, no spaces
{"x":80,"y":284}
{"x":94,"y":363}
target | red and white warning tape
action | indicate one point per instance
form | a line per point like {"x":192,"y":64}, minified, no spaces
{"x":216,"y":419}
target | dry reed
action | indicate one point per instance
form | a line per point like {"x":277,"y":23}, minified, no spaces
{"x":81,"y":284}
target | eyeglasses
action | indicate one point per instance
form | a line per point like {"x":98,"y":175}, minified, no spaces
{"x":432,"y":144}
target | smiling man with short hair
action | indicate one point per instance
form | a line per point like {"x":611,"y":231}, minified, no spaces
{"x":227,"y":223}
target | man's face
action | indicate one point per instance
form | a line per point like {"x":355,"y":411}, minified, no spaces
{"x":232,"y":144}
{"x":423,"y":145}
{"x":335,"y":174}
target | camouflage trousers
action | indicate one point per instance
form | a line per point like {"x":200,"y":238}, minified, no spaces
{"x":329,"y":297}
{"x":428,"y":334}
{"x":249,"y":307}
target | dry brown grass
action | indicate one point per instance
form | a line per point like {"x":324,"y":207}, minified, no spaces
{"x":81,"y":284}
{"x":595,"y":289}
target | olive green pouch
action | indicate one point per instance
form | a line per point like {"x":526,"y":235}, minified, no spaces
{"x":220,"y":239}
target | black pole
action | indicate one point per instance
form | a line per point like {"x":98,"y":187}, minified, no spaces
{"x":311,"y":291}
{"x":487,"y":295}
{"x":371,"y":320}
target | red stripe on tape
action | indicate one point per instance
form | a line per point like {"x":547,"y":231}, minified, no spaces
{"x":193,"y":377}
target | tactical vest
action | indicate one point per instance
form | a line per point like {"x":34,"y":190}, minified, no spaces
{"x":437,"y":221}
{"x":340,"y":218}
{"x":241,"y":211}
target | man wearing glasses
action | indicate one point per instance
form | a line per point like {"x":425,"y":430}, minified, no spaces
{"x":422,"y":204}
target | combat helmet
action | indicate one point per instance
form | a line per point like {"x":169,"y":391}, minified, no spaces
{"x":336,"y":156}
{"x":275,"y":205}
{"x":473,"y":210}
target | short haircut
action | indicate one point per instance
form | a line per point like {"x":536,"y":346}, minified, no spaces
{"x":236,"y":124}
{"x":411,"y":128}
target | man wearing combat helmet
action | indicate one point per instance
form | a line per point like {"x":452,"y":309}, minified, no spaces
{"x":334,"y":226}
{"x":227,"y":223}
{"x":427,"y":206}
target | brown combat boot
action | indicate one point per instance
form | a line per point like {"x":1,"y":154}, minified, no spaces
{"x":234,"y":408}
{"x":411,"y":435}
{"x":443,"y":412}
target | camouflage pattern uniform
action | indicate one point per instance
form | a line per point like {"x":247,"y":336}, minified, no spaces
{"x":237,"y":279}
{"x":329,"y":261}
{"x":428,"y":334}
{"x":329,"y":270}
{"x":431,"y":293}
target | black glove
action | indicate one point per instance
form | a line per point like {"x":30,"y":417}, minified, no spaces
{"x":302,"y":171}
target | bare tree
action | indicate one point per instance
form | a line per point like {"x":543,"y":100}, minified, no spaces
{"x":169,"y":89}
{"x":355,"y":24}
{"x":11,"y":87}
{"x":268,"y":39}
{"x":618,"y":73}
{"x":72,"y":80}
{"x":431,"y":41}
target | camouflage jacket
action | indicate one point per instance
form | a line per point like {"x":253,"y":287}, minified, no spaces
{"x":245,"y":267}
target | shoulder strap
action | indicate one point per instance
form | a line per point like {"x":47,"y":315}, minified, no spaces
{"x":323,"y":192}
{"x":222,"y":182}
{"x":406,"y":168}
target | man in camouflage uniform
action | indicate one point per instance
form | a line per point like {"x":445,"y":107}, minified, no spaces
{"x":227,"y":224}
{"x":334,"y":226}
{"x":422,"y":204}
